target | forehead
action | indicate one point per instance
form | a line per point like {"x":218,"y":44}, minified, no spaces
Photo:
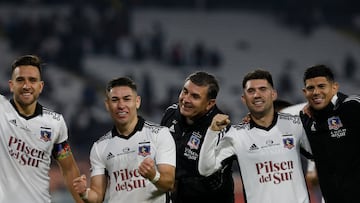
{"x":316,"y":80}
{"x":256,"y":83}
{"x":195,"y":89}
{"x":26,"y":70}
{"x":121,"y":91}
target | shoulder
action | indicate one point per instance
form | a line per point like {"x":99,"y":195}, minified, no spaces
{"x":283,"y":117}
{"x":51,"y":114}
{"x":348,"y":105}
{"x":4,"y":100}
{"x":169,"y":113}
{"x":153,"y":127}
{"x":240,"y":126}
{"x":352,"y":98}
{"x":105,"y":138}
{"x":294,"y":109}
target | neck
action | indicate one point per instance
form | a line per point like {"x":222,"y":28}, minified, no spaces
{"x":264,"y":120}
{"x":128,"y":128}
{"x":26,"y":110}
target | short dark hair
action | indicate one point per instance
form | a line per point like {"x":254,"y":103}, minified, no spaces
{"x":319,"y":71}
{"x":202,"y":78}
{"x":280,"y":104}
{"x":121,"y":81}
{"x":25,"y":60}
{"x":258,"y":74}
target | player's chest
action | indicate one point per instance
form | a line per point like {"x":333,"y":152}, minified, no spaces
{"x":33,"y":132}
{"x":268,"y":143}
{"x":122,"y":153}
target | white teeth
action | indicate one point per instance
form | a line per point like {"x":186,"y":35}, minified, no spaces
{"x":317,"y":100}
{"x":122,"y":113}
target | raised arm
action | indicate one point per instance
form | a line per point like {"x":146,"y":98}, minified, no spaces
{"x":214,"y":151}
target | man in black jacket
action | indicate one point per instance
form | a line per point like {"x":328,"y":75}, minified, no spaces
{"x":334,"y":134}
{"x":188,"y":121}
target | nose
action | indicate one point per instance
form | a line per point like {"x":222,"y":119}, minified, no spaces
{"x":26,"y":84}
{"x":185,"y":98}
{"x":256,"y":93}
{"x":316,"y":90}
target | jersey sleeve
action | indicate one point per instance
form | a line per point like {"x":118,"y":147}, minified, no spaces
{"x":166,"y":150}
{"x":63,"y":131}
{"x":97,"y":164}
{"x":213,"y":151}
{"x":305,"y":145}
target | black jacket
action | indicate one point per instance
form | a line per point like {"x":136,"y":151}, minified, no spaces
{"x":190,"y":185}
{"x":334,"y":136}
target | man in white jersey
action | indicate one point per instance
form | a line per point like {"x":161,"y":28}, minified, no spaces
{"x":267,"y":147}
{"x":29,"y":135}
{"x":133,"y":162}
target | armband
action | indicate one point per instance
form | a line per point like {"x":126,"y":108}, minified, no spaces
{"x":86,"y":195}
{"x":156,"y":178}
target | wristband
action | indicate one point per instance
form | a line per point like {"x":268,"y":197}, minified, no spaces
{"x":86,"y":195}
{"x":156,"y":178}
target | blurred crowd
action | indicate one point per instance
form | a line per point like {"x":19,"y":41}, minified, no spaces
{"x":63,"y":34}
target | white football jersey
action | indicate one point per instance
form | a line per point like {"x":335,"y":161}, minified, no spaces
{"x":269,"y":158}
{"x":119,"y":157}
{"x":25,"y":152}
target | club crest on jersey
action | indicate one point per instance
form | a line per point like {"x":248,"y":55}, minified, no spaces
{"x":194,"y":142}
{"x":144,"y":150}
{"x":288,"y":142}
{"x":334,"y":123}
{"x":45,"y":135}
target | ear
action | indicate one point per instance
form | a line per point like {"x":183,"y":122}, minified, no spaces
{"x":210,"y":104}
{"x":335,"y":87}
{"x":11,"y":86}
{"x":274,"y":94}
{"x":41,"y":86}
{"x":138,"y":102}
{"x":243,"y":99}
{"x":304,"y":91}
{"x":106,"y":104}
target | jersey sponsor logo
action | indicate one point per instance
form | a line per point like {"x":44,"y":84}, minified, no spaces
{"x":191,"y":154}
{"x":25,"y":154}
{"x":270,"y":143}
{"x":128,"y":180}
{"x":288,"y":142}
{"x":45,"y":134}
{"x":334,"y":123}
{"x":144,"y":149}
{"x":275,"y":172}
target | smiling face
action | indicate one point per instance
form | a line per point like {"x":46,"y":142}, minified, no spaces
{"x":319,"y":91}
{"x":26,"y":86}
{"x":122,"y":103}
{"x":194,"y":101}
{"x":259,"y":97}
